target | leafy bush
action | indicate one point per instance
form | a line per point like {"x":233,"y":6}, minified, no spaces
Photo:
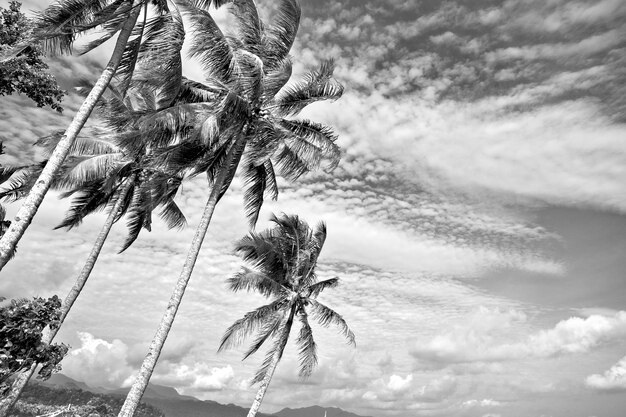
{"x":25,"y":72}
{"x":22,"y":323}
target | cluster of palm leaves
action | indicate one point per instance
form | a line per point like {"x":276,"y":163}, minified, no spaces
{"x":157,"y":128}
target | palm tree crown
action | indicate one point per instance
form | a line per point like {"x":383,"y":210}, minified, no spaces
{"x":248,"y":101}
{"x":282,"y":267}
{"x":115,"y":160}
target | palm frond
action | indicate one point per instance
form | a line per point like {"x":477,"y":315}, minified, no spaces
{"x":319,"y":237}
{"x":307,"y":348}
{"x":316,"y":86}
{"x":326,"y":316}
{"x":250,"y":280}
{"x":181,"y":156}
{"x":267,"y":331}
{"x":173,"y":216}
{"x":7,"y":172}
{"x":126,"y":68}
{"x":208,"y":44}
{"x":265,"y":139}
{"x":195,"y":92}
{"x":139,"y":215}
{"x":88,"y":199}
{"x":271,"y":185}
{"x":318,"y":287}
{"x":276,"y":78}
{"x":161,"y":6}
{"x":251,"y":322}
{"x":263,"y":254}
{"x":160,"y":55}
{"x":319,"y":135}
{"x":230,"y":152}
{"x":58,"y":25}
{"x":279,"y":37}
{"x":275,"y":353}
{"x":249,"y":24}
{"x":111,"y":18}
{"x":255,"y":182}
{"x":291,"y":165}
{"x":95,"y":144}
{"x":205,"y":4}
{"x":249,"y":76}
{"x":85,"y":169}
{"x":18,"y":182}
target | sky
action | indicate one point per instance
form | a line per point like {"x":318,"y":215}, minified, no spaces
{"x":477,"y":222}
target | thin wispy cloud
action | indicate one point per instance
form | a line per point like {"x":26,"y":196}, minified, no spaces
{"x":462,"y":122}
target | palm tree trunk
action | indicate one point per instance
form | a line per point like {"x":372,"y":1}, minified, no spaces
{"x":22,"y":379}
{"x":147,"y":367}
{"x":258,"y":399}
{"x":32,"y":202}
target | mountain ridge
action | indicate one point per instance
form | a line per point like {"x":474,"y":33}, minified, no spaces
{"x":174,"y":404}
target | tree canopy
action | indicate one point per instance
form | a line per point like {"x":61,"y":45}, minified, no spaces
{"x":26,"y":72}
{"x":21,"y":329}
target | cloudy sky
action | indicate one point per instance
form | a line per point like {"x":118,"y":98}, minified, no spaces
{"x":477,"y":222}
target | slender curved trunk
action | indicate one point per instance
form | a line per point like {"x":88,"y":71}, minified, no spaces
{"x":22,"y":379}
{"x":147,"y":367}
{"x":258,"y":399}
{"x":32,"y":202}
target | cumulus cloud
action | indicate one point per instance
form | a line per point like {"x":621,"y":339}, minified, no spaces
{"x":614,"y":379}
{"x":408,"y":390}
{"x":198,"y":377}
{"x":480,"y":338}
{"x":97,"y":362}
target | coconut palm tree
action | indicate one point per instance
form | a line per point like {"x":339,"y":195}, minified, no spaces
{"x":58,"y":26}
{"x":248,"y":121}
{"x":282,"y":267}
{"x":114,"y":170}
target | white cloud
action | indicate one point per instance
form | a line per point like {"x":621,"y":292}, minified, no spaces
{"x":199,"y":377}
{"x":614,"y":379}
{"x":409,"y":391}
{"x":486,"y":402}
{"x":97,"y":362}
{"x":479,"y":338}
{"x":397,"y":383}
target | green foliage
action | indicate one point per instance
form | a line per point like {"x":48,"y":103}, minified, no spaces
{"x":21,"y":329}
{"x":26,"y":72}
{"x":40,"y":400}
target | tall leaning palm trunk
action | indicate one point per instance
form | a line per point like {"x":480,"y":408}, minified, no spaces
{"x":276,"y":356}
{"x":154,"y":351}
{"x":22,"y":379}
{"x":34,"y":199}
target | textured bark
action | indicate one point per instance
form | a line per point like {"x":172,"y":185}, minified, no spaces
{"x":32,"y":202}
{"x":7,"y":402}
{"x":147,"y":367}
{"x":258,"y":399}
{"x":22,"y":379}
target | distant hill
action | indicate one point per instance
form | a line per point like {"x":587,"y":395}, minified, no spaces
{"x":173,"y":404}
{"x":166,"y":399}
{"x":314,"y":411}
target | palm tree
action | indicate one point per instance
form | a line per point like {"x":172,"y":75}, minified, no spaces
{"x":58,"y":27}
{"x":247,"y":118}
{"x":114,"y":170}
{"x":282,"y":261}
